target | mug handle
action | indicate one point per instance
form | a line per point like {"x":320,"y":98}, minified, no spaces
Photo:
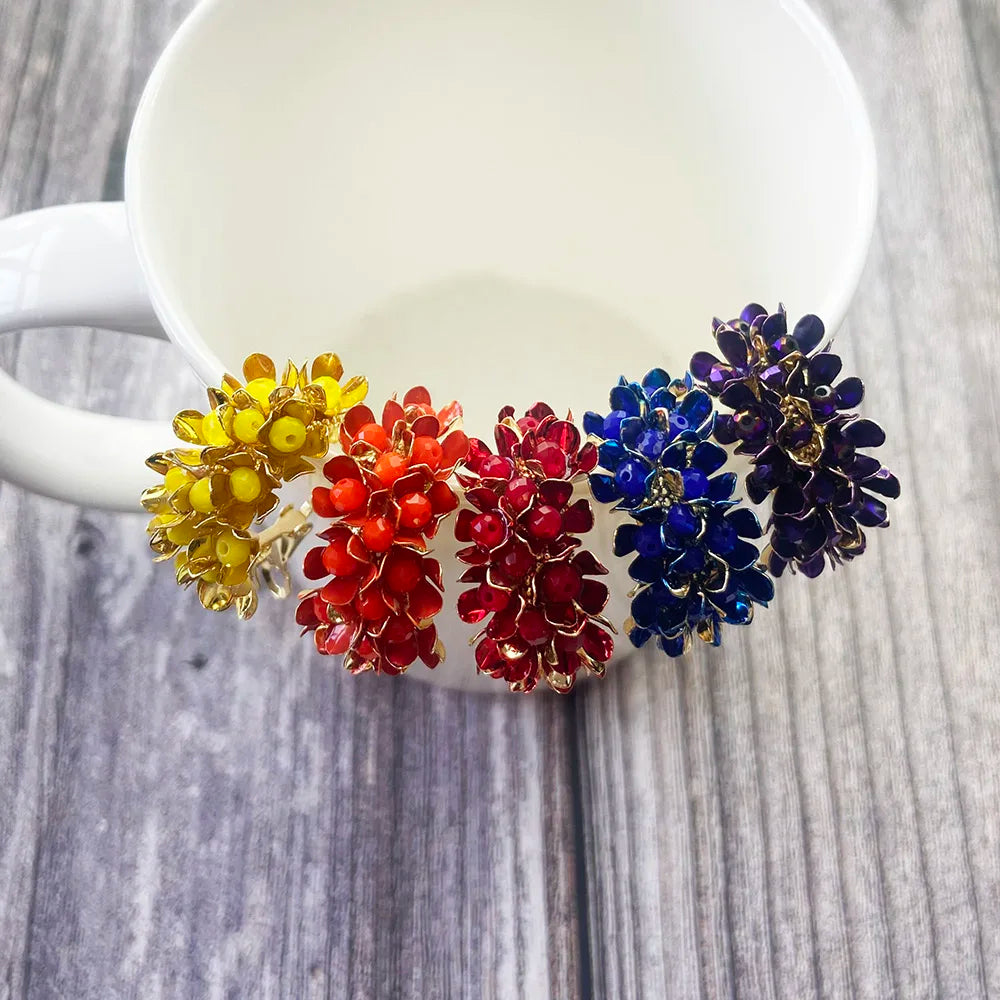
{"x":73,"y":265}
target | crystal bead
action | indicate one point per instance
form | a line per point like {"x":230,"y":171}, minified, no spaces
{"x":402,"y":570}
{"x":348,"y":495}
{"x":544,"y":522}
{"x":682,"y":521}
{"x":488,"y":530}
{"x":375,"y":435}
{"x":630,"y":477}
{"x":426,"y":451}
{"x":287,"y":435}
{"x":561,"y":582}
{"x":415,"y":510}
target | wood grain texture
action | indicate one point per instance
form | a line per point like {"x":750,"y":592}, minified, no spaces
{"x":812,"y":812}
{"x":823,"y":817}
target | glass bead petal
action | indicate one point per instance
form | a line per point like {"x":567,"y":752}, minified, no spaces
{"x":813,"y":567}
{"x":850,"y":392}
{"x":774,"y":327}
{"x":696,"y":407}
{"x":864,"y":434}
{"x":872,"y":512}
{"x":789,"y":499}
{"x":649,"y":542}
{"x":695,"y":483}
{"x":644,"y":570}
{"x":673,"y":645}
{"x":721,"y":487}
{"x":625,"y":535}
{"x":631,"y":476}
{"x":639,"y":636}
{"x":611,"y":454}
{"x":883,"y":482}
{"x":626,"y":400}
{"x":593,"y":423}
{"x":863,"y":467}
{"x":824,"y":368}
{"x":655,"y":378}
{"x":725,"y":429}
{"x":719,"y":376}
{"x":708,"y":457}
{"x":757,"y":584}
{"x":603,"y":487}
{"x":744,"y":522}
{"x":702,"y":364}
{"x":752,"y":312}
{"x":629,"y":431}
{"x":721,"y":537}
{"x":738,"y":397}
{"x":733,"y":347}
{"x":742,"y":555}
{"x":578,"y":518}
{"x":808,"y":333}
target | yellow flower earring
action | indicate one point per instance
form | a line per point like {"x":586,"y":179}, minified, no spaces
{"x":225,"y":475}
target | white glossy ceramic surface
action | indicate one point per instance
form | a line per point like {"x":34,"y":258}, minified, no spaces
{"x":503,"y":201}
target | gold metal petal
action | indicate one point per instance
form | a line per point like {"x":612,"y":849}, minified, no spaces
{"x":560,"y":683}
{"x":659,"y":417}
{"x":162,"y":545}
{"x":216,"y":397}
{"x":242,"y":400}
{"x":280,"y":396}
{"x":214,"y":597}
{"x":317,"y":442}
{"x":259,"y":366}
{"x":354,"y":390}
{"x":706,"y":631}
{"x":154,"y":499}
{"x":187,"y":426}
{"x":315,"y":396}
{"x":190,"y":458}
{"x":246,"y":605}
{"x":293,"y":469}
{"x":597,"y":668}
{"x":290,"y":376}
{"x":327,"y":365}
{"x":355,"y":663}
{"x":299,"y":409}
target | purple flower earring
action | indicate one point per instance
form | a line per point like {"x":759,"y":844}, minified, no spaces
{"x":795,"y":422}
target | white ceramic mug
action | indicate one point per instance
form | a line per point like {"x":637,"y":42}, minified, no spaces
{"x":504,"y":201}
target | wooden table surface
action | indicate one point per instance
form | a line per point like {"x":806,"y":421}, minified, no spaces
{"x":814,"y":811}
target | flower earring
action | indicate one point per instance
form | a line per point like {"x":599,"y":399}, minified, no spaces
{"x":658,"y":457}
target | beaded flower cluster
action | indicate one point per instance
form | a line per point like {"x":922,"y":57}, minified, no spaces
{"x":522,"y":532}
{"x":389,"y":492}
{"x":796,"y":423}
{"x":694,"y":567}
{"x":657,"y":458}
{"x":224,"y":477}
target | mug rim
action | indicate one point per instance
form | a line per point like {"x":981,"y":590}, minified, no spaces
{"x":181,"y":330}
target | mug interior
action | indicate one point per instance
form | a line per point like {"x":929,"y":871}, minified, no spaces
{"x":505,"y":201}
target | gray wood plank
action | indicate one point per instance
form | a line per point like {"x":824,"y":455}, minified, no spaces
{"x":835,"y":831}
{"x":178,"y":816}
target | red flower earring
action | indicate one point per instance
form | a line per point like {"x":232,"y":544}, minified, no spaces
{"x":387,"y":496}
{"x":532,"y":579}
